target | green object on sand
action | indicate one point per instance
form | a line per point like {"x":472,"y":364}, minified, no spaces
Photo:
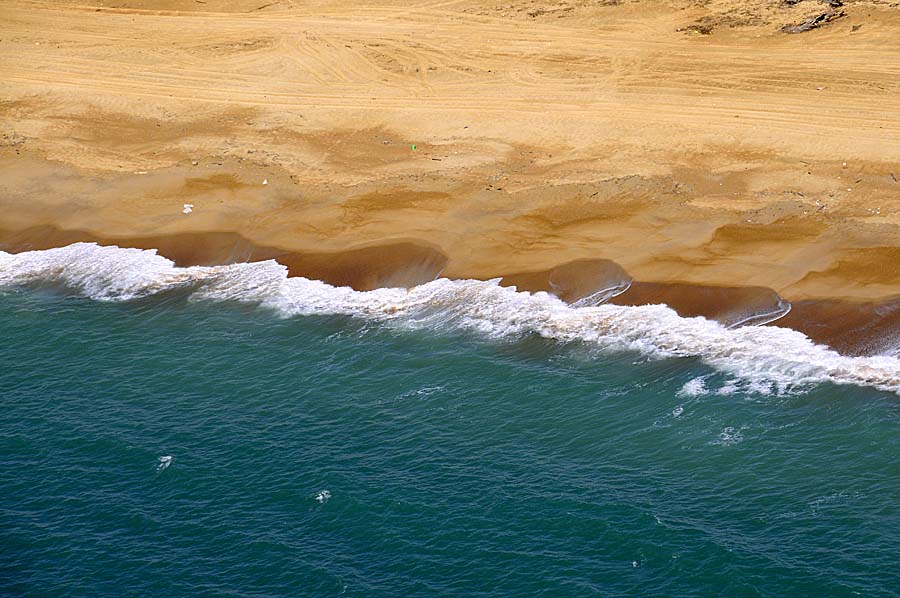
{"x":413,"y":146}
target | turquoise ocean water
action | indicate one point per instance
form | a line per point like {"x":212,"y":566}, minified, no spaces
{"x":191,"y":432}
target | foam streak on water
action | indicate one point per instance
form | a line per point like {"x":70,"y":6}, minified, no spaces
{"x":761,"y":356}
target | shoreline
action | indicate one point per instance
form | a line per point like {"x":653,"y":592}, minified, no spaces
{"x":850,"y":328}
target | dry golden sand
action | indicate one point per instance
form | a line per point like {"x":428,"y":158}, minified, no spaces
{"x":544,"y":133}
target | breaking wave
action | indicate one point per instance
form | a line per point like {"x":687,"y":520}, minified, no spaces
{"x":779,"y":359}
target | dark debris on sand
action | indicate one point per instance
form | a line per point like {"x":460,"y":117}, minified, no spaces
{"x":697,"y":29}
{"x":816,"y":21}
{"x":831,"y":3}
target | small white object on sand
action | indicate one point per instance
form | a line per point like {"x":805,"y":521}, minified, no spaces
{"x":188,"y":208}
{"x":265,"y":181}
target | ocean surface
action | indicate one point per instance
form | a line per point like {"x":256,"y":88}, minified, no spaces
{"x":228,"y":431}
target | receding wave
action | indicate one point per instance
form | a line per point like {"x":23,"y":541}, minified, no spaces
{"x":766,"y":359}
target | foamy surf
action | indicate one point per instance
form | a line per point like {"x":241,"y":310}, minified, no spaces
{"x":764,"y":358}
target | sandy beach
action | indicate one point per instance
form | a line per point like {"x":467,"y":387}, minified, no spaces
{"x":718,"y":161}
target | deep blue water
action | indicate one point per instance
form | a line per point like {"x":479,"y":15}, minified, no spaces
{"x":329,"y":456}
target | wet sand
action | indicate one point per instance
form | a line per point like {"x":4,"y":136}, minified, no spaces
{"x":398,"y":264}
{"x":382,"y":144}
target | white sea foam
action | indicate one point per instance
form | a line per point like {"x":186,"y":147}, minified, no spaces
{"x":781,"y":309}
{"x":694,"y":387}
{"x":729,"y":388}
{"x":729,"y":437}
{"x":760,"y":357}
{"x":603,"y":295}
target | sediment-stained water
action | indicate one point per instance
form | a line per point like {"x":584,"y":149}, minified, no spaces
{"x":211,"y":430}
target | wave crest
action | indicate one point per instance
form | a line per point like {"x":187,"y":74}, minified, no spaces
{"x":763,"y":356}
